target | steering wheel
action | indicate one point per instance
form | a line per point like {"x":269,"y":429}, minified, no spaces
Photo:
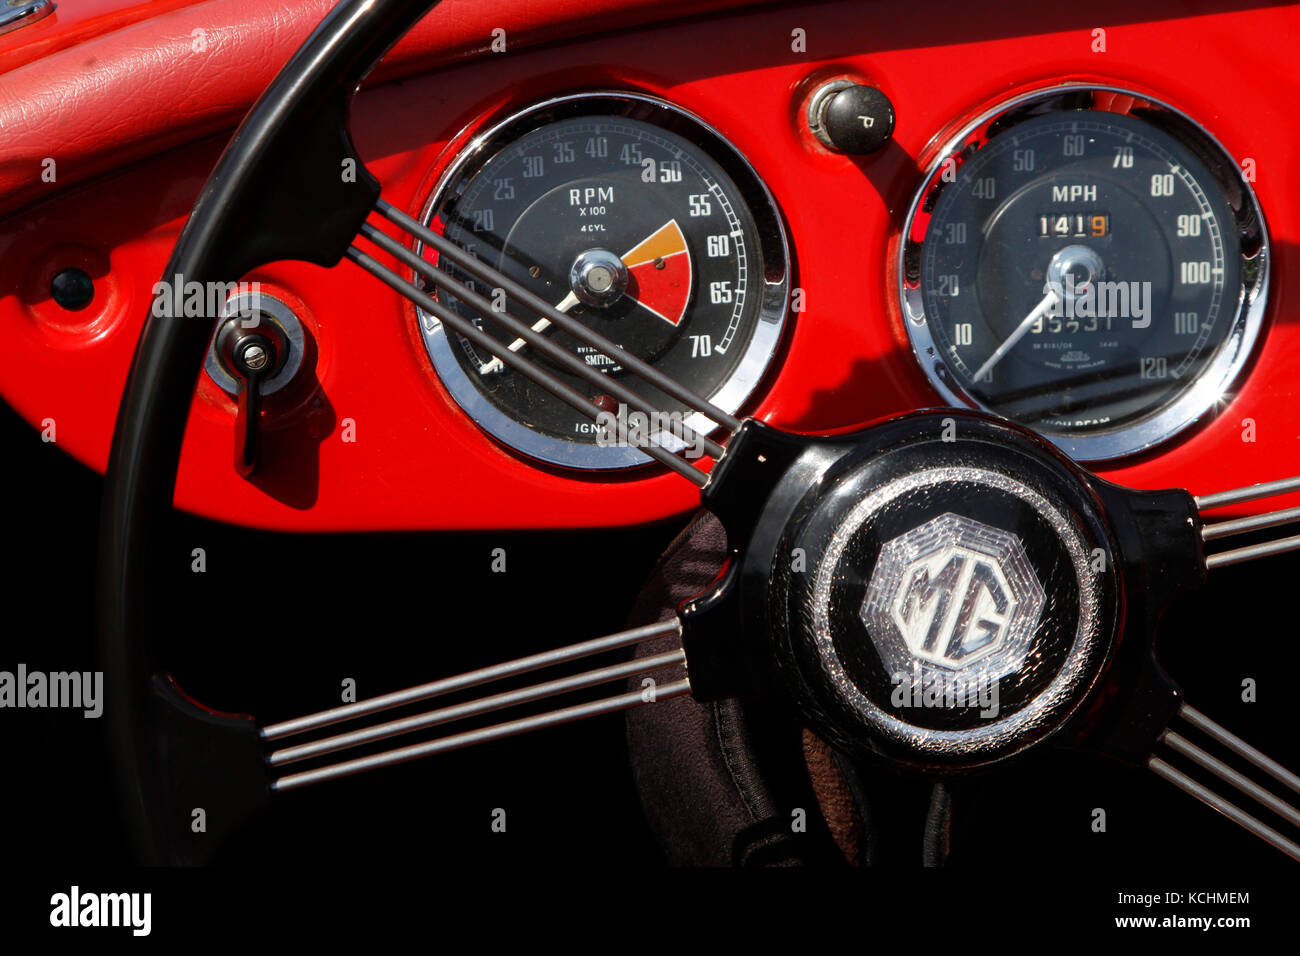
{"x":942,"y":592}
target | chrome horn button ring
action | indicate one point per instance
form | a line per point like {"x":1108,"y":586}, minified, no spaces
{"x":960,"y":601}
{"x":951,"y":650}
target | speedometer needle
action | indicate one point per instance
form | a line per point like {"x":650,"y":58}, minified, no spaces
{"x":541,"y":325}
{"x":1039,"y":310}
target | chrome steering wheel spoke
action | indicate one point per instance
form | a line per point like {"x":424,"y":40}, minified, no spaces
{"x":1212,"y":531}
{"x":649,"y":692}
{"x":521,"y":299}
{"x":1176,"y":744}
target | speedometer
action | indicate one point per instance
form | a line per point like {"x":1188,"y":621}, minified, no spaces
{"x":1087,"y":262}
{"x":640,"y":221}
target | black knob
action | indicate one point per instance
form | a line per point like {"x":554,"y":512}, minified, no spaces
{"x":850,"y":117}
{"x":73,"y":289}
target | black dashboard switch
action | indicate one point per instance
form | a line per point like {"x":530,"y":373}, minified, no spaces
{"x":851,"y":117}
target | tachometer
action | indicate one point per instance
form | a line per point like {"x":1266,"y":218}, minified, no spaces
{"x":1089,"y":263}
{"x":635,"y":218}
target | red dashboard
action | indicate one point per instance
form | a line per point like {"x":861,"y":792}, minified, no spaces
{"x":373,"y":440}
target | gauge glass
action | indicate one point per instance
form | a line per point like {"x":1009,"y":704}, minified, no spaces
{"x":640,"y":222}
{"x":1084,"y":272}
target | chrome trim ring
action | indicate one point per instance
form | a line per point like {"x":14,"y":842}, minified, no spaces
{"x":16,"y":14}
{"x":1213,"y":385}
{"x":276,"y":312}
{"x":773,"y":304}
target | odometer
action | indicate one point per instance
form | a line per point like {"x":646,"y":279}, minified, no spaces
{"x":641,"y":222}
{"x":1088,"y":263}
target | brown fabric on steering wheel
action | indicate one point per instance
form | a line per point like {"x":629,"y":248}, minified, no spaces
{"x":728,"y":783}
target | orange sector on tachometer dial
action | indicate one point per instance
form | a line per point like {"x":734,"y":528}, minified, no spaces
{"x":659,"y":272}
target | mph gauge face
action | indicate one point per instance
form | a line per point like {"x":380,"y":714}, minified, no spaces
{"x":1083,"y":272}
{"x":637,"y":221}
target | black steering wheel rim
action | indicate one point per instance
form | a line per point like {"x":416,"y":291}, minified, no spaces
{"x":276,"y":193}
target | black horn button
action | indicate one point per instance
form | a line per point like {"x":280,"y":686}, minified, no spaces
{"x":958,"y":603}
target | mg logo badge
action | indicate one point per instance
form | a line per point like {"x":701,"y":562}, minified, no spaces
{"x":954,"y":594}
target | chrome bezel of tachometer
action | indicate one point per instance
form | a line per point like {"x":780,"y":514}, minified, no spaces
{"x":743,"y":380}
{"x":1212,"y":386}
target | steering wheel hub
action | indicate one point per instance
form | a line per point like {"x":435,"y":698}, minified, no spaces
{"x":944,"y":595}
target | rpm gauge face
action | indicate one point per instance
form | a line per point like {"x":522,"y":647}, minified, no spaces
{"x":638,"y":221}
{"x":1081,"y":270}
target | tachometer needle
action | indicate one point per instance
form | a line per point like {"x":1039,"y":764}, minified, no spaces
{"x":657,"y":252}
{"x":1038,"y":312}
{"x":541,"y":325}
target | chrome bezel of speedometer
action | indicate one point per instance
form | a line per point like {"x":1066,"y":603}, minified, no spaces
{"x":1242,"y":307}
{"x":767,"y":287}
